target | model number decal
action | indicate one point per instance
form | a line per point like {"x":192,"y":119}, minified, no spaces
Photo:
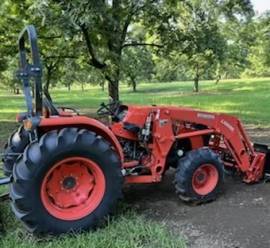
{"x":206,"y":116}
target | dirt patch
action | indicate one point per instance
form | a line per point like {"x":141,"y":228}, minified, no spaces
{"x":240,"y":218}
{"x":258,"y":134}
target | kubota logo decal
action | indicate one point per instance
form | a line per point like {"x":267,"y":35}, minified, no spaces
{"x":206,"y":116}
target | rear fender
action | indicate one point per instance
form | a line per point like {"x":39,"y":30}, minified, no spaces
{"x":47,"y":124}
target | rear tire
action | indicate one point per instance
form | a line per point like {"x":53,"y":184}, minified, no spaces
{"x":68,"y":181}
{"x":17,"y":142}
{"x":199,"y":176}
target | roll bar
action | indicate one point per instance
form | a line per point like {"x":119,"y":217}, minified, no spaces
{"x":30,"y":70}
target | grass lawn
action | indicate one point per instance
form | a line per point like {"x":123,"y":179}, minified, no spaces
{"x":247,"y":99}
{"x":126,"y":230}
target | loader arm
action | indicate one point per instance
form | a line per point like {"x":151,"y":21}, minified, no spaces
{"x":227,"y":138}
{"x":248,"y":161}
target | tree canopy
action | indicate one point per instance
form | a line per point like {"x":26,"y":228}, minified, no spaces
{"x":137,"y":40}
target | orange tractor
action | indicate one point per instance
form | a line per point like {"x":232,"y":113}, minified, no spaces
{"x":66,"y":171}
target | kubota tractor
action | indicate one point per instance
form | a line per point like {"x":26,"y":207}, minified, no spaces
{"x":66,"y":171}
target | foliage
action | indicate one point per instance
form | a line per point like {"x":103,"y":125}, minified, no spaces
{"x":258,"y":57}
{"x":203,"y":48}
{"x":104,"y":28}
{"x":89,"y":42}
{"x":53,"y":45}
{"x":136,"y":65}
{"x":207,"y":45}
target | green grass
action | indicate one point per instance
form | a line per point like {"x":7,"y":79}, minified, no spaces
{"x":125,"y":230}
{"x":247,"y":99}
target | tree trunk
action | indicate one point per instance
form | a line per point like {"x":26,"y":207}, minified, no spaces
{"x":16,"y":91}
{"x":134,"y":84}
{"x":47,"y":84}
{"x":69,"y":87}
{"x":82,"y":85}
{"x":196,"y":80}
{"x":102,"y":85}
{"x":196,"y":84}
{"x":113,"y":87}
{"x":113,"y":83}
{"x":218,"y":79}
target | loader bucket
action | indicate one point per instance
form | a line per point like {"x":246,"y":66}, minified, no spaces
{"x":264,"y":149}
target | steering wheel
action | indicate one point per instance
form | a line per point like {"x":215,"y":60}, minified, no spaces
{"x":108,"y":109}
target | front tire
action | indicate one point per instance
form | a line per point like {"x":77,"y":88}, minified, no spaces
{"x":68,"y":181}
{"x":199,"y":176}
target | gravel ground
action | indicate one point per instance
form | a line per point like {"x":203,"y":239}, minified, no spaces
{"x":240,"y":217}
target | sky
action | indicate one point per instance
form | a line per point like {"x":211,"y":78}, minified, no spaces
{"x":261,"y":5}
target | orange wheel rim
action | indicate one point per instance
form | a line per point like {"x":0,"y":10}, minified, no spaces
{"x":73,"y":188}
{"x":205,"y":179}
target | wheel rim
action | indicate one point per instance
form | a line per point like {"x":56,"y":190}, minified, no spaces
{"x":73,"y":188}
{"x":205,"y":179}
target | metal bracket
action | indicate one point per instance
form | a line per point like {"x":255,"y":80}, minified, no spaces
{"x":30,"y":69}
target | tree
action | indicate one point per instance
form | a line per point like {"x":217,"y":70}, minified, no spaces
{"x":75,"y":71}
{"x":56,"y":55}
{"x":258,"y":57}
{"x":105,"y":28}
{"x":202,"y":46}
{"x":52,"y":42}
{"x":11,"y":14}
{"x":238,"y":44}
{"x":136,"y":65}
{"x":183,"y":37}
